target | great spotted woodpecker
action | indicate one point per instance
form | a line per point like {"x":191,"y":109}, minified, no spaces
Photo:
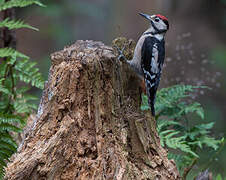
{"x":149,"y":55}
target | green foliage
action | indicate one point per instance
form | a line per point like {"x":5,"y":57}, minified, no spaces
{"x":12,"y":24}
{"x":9,"y":52}
{"x":173,"y":107}
{"x":219,"y":177}
{"x":16,"y":72}
{"x":28,"y":73}
{"x":169,"y":102}
{"x":18,"y":3}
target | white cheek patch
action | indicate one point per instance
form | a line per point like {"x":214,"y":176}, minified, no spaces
{"x":161,"y":25}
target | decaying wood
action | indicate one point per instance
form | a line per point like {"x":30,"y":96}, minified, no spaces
{"x":89,"y":125}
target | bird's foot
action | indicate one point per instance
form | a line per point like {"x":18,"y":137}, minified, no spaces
{"x":121,"y":55}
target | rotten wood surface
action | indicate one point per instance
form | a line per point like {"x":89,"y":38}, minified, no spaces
{"x":89,"y":124}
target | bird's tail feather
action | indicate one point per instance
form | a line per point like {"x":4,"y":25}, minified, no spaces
{"x":152,"y":110}
{"x":151,"y":104}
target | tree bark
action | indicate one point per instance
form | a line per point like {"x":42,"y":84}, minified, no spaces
{"x":89,"y":124}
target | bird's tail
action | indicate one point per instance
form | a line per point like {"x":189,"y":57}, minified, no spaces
{"x":152,"y":109}
{"x":152,"y":106}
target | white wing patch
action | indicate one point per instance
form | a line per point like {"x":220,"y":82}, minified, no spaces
{"x":147,"y":73}
{"x":149,"y":83}
{"x":154,"y":63}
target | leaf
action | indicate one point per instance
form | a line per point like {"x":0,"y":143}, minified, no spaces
{"x":4,"y":89}
{"x":210,"y":142}
{"x":10,"y":52}
{"x":170,"y":135}
{"x":176,"y":143}
{"x":15,"y":105}
{"x":15,"y":24}
{"x":9,"y":127}
{"x":19,"y":3}
{"x":10,"y":118}
{"x":29,"y":74}
{"x":169,"y":101}
{"x":195,"y":107}
{"x":144,"y":105}
{"x":219,"y":177}
{"x":22,"y":90}
{"x":166,"y":123}
{"x":206,"y":126}
{"x":2,"y":162}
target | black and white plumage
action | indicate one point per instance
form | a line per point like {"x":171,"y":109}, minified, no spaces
{"x":152,"y":59}
{"x":149,"y":55}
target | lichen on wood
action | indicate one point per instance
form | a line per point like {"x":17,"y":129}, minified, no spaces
{"x":89,"y":124}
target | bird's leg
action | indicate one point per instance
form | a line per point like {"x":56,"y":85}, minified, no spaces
{"x":121,"y":56}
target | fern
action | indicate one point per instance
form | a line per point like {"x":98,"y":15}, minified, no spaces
{"x":15,"y":103}
{"x":9,"y":52}
{"x":169,"y":101}
{"x":13,"y":24}
{"x":28,"y":73}
{"x":9,"y":118}
{"x":173,"y":109}
{"x":18,"y":3}
{"x":181,"y":160}
{"x":24,"y":105}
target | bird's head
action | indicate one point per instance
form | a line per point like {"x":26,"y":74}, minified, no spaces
{"x":158,"y":22}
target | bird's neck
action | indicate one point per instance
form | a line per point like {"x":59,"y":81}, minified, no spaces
{"x":153,"y":33}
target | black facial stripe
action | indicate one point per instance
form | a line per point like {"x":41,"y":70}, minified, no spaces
{"x":166,"y":22}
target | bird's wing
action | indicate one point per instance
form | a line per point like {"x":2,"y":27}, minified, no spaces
{"x":151,"y":68}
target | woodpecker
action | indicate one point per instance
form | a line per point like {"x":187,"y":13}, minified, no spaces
{"x":149,"y":55}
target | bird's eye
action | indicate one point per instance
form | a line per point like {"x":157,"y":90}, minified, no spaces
{"x":156,"y":19}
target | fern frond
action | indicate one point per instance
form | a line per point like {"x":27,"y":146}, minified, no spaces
{"x":10,"y":52}
{"x":9,"y":127}
{"x":4,"y":103}
{"x":168,"y":96}
{"x":179,"y":143}
{"x":166,"y":124}
{"x":15,"y":24}
{"x":15,"y":105}
{"x":3,"y":68}
{"x":22,"y":90}
{"x":199,"y":131}
{"x":2,"y":162}
{"x":8,"y":138}
{"x":23,"y":104}
{"x":2,"y":172}
{"x":10,"y":118}
{"x":6,"y":151}
{"x":7,"y":148}
{"x":144,"y":105}
{"x":195,"y":107}
{"x":29,"y":74}
{"x":19,"y":3}
{"x":181,"y":160}
{"x":3,"y":88}
{"x":210,"y":142}
{"x":205,"y":126}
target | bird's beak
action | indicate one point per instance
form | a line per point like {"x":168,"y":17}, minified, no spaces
{"x":146,"y":16}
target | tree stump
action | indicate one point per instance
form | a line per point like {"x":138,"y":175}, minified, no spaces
{"x":89,"y":124}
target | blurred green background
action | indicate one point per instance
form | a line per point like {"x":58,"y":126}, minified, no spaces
{"x":195,"y":43}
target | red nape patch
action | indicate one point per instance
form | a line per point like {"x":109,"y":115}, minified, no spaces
{"x":162,"y":17}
